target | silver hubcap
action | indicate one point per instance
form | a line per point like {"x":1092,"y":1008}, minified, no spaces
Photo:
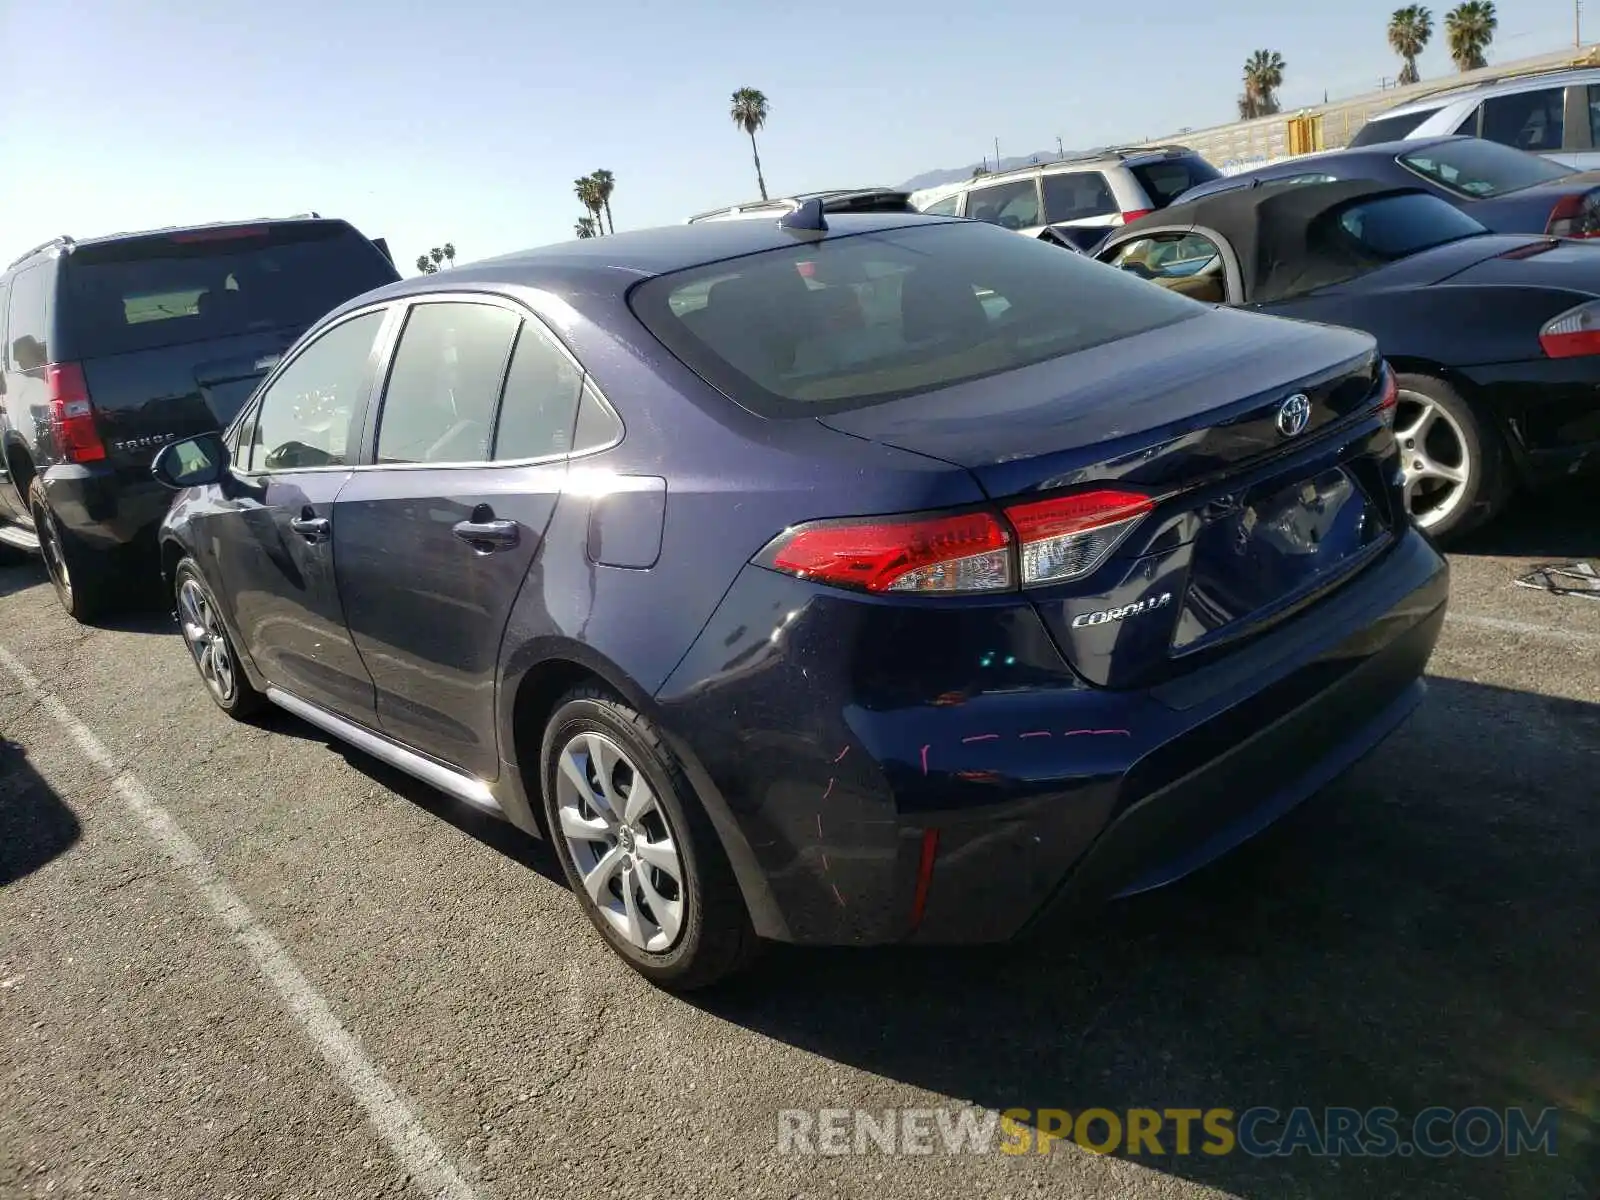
{"x":207,"y":641}
{"x":620,"y":841}
{"x":1433,"y":458}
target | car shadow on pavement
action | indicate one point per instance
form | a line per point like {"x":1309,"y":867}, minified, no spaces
{"x":498,"y":835}
{"x":36,"y":827}
{"x":1555,"y":524}
{"x":1423,"y":933}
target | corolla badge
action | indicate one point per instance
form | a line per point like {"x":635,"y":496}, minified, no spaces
{"x":1294,"y":414}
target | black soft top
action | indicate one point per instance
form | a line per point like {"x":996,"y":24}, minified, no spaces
{"x":1285,"y":237}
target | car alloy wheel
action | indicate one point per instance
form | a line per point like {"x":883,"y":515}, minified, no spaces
{"x":207,"y":640}
{"x":1434,"y":460}
{"x":55,"y":555}
{"x":621,"y":842}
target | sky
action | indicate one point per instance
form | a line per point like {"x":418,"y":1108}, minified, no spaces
{"x":468,"y":121}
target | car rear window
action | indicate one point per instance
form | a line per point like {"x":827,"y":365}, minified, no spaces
{"x":1170,"y":178}
{"x":1395,"y":227}
{"x":1478,"y":168}
{"x":1391,"y":129}
{"x":197,"y":285}
{"x":837,"y":324}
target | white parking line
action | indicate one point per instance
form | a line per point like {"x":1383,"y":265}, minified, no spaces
{"x":1574,"y":637}
{"x":385,"y":1107}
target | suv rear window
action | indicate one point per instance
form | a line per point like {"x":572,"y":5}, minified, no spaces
{"x":189,"y":286}
{"x":1170,"y":178}
{"x":1391,"y":129}
{"x":853,"y":321}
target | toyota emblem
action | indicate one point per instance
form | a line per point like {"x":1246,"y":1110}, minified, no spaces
{"x":1294,"y":414}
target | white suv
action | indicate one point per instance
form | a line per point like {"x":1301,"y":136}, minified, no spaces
{"x":1553,"y":113}
{"x":1093,"y":191}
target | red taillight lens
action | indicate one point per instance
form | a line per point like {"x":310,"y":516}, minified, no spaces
{"x":1389,"y":397}
{"x":1574,"y":217}
{"x":72,"y":415}
{"x":1132,"y":215}
{"x":1068,"y":536}
{"x":1573,"y":334}
{"x":966,"y":552}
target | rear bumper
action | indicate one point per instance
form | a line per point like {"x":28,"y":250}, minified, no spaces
{"x":1043,"y":798}
{"x":105,"y":508}
{"x":1550,"y":408}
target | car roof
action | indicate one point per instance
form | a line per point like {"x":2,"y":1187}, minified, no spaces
{"x":65,"y":242}
{"x":1267,"y":230}
{"x":1506,"y":86}
{"x":617,"y":261}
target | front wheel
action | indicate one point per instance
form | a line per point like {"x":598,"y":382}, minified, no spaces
{"x":638,"y":850}
{"x":212,"y":649}
{"x":1452,"y":460}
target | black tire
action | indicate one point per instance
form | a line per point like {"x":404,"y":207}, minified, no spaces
{"x":240,"y":700}
{"x":715,"y":939}
{"x":1489,"y":478}
{"x":84,"y":580}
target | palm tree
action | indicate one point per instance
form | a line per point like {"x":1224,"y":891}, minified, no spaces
{"x":429,"y":263}
{"x":1470,"y":28}
{"x":1410,"y":29}
{"x":749,"y":113}
{"x":584,"y":228}
{"x":605,"y":183}
{"x":1263,"y":76}
{"x":589,"y":196}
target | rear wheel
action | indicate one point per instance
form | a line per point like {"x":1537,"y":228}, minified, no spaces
{"x":210,"y":646}
{"x":83,"y":580}
{"x":1453,"y":461}
{"x":637,"y":848}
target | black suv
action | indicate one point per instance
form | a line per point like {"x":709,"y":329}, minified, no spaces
{"x":112,"y":347}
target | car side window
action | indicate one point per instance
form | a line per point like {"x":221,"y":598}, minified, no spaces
{"x":1530,"y":121}
{"x":540,"y":405}
{"x":1469,"y":127}
{"x":948,"y":207}
{"x":1076,"y":195}
{"x":27,"y":319}
{"x":1594,"y":114}
{"x":1012,"y":205}
{"x":439,"y":403}
{"x":304,"y":416}
{"x":598,"y":426}
{"x":1187,"y":263}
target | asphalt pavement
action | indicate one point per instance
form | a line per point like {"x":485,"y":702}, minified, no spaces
{"x":238,"y":961}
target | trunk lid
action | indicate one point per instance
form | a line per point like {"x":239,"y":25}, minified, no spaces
{"x":1255,"y":515}
{"x":1538,"y":262}
{"x":173,"y":330}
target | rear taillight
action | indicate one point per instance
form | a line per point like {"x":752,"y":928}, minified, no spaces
{"x":966,"y":552}
{"x":72,"y":415}
{"x":1055,"y":540}
{"x":1389,"y":397}
{"x":1133,"y":214}
{"x":1068,"y":536}
{"x":1574,"y":217}
{"x":1573,"y":334}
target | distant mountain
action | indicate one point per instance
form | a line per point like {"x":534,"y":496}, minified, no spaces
{"x":930,"y":179}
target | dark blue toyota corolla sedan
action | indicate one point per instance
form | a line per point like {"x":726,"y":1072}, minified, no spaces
{"x":855,"y":579}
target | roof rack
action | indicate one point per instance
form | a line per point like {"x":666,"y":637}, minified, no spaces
{"x":1099,"y":154}
{"x":62,"y":240}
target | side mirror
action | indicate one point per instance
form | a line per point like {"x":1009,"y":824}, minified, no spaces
{"x":27,"y":353}
{"x":193,"y":462}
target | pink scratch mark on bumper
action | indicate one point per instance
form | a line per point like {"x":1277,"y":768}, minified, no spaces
{"x":842,"y":753}
{"x":829,"y":792}
{"x":981,"y":737}
{"x":1095,"y":732}
{"x":925,"y":759}
{"x":1036,"y":733}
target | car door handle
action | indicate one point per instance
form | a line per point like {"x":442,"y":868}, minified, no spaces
{"x":488,"y":535}
{"x":313,"y":529}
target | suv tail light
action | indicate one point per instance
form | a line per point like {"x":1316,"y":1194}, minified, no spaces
{"x":1039,"y":542}
{"x":1132,"y":215}
{"x":1574,"y":217}
{"x":1574,"y":333}
{"x":72,"y":415}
